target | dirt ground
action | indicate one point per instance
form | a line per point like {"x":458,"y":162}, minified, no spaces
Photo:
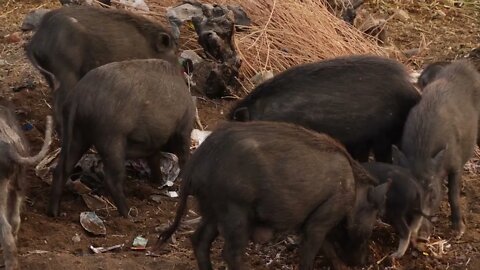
{"x":442,"y":32}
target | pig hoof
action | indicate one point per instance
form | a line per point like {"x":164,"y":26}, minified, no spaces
{"x":459,"y":229}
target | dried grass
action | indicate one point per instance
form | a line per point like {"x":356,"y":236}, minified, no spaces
{"x":286,"y":33}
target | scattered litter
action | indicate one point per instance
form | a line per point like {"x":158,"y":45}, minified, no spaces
{"x":98,"y":250}
{"x":198,"y":136}
{"x":139,"y":243}
{"x":414,"y":76}
{"x":95,"y":202}
{"x":137,"y":4}
{"x":45,"y":166}
{"x":27,"y":127}
{"x":156,"y":198}
{"x":261,"y":77}
{"x":192,"y":55}
{"x":186,"y":11}
{"x":37,"y":251}
{"x":33,"y":18}
{"x":438,"y":248}
{"x":92,"y":223}
{"x":167,"y":184}
{"x":169,"y":167}
{"x":173,"y":194}
{"x":76,"y":238}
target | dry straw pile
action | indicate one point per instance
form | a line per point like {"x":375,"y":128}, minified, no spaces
{"x":285,"y":33}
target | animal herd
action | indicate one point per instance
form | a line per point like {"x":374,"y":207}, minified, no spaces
{"x":294,"y":155}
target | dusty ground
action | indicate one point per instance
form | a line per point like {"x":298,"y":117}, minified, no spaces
{"x":47,"y":243}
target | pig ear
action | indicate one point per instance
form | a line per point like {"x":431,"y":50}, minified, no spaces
{"x":164,"y":42}
{"x":399,"y":158}
{"x":377,"y":195}
{"x":438,"y":159}
{"x":241,"y":114}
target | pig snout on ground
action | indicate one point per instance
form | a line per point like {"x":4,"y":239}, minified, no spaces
{"x":404,"y":204}
{"x":13,"y":158}
{"x":277,"y":177}
{"x":375,"y":90}
{"x":69,"y":43}
{"x":129,"y":109}
{"x":440,"y":136}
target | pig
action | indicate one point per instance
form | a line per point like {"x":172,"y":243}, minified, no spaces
{"x":404,"y":204}
{"x":126,"y":110}
{"x":13,"y":160}
{"x":277,"y":177}
{"x":440,"y":135}
{"x":69,"y":42}
{"x":362,"y":101}
{"x":430,"y":72}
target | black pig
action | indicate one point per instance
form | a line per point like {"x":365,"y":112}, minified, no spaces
{"x":404,"y":205}
{"x":276,"y":177}
{"x":128,"y":109}
{"x":440,"y":136}
{"x":13,"y":149}
{"x":71,"y":41}
{"x":362,"y":101}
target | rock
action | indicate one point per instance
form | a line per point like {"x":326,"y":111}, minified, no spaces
{"x":401,"y":15}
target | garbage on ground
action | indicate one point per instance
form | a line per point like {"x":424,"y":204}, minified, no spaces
{"x":156,"y":198}
{"x":189,"y":9}
{"x":33,"y":18}
{"x":92,"y":223}
{"x":198,"y":136}
{"x":136,"y":4}
{"x":37,"y":252}
{"x":139,"y":243}
{"x":215,"y":29}
{"x":76,"y":238}
{"x":45,"y":166}
{"x":98,"y":250}
{"x":261,"y":77}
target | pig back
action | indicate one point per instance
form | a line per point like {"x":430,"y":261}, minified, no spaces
{"x":350,"y":98}
{"x":282,"y":170}
{"x":146,"y":100}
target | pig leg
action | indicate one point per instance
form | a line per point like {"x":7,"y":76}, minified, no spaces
{"x":454,"y":182}
{"x":179,"y":144}
{"x":14,"y":206}
{"x":64,"y":168}
{"x":154,"y":165}
{"x":404,"y":234}
{"x":330,"y":253}
{"x":235,"y":230}
{"x":315,"y":229}
{"x":7,"y":239}
{"x":414,"y":228}
{"x":202,"y":242}
{"x":113,"y":154}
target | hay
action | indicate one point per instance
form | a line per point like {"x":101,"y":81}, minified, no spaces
{"x":291,"y":32}
{"x":286,"y":33}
